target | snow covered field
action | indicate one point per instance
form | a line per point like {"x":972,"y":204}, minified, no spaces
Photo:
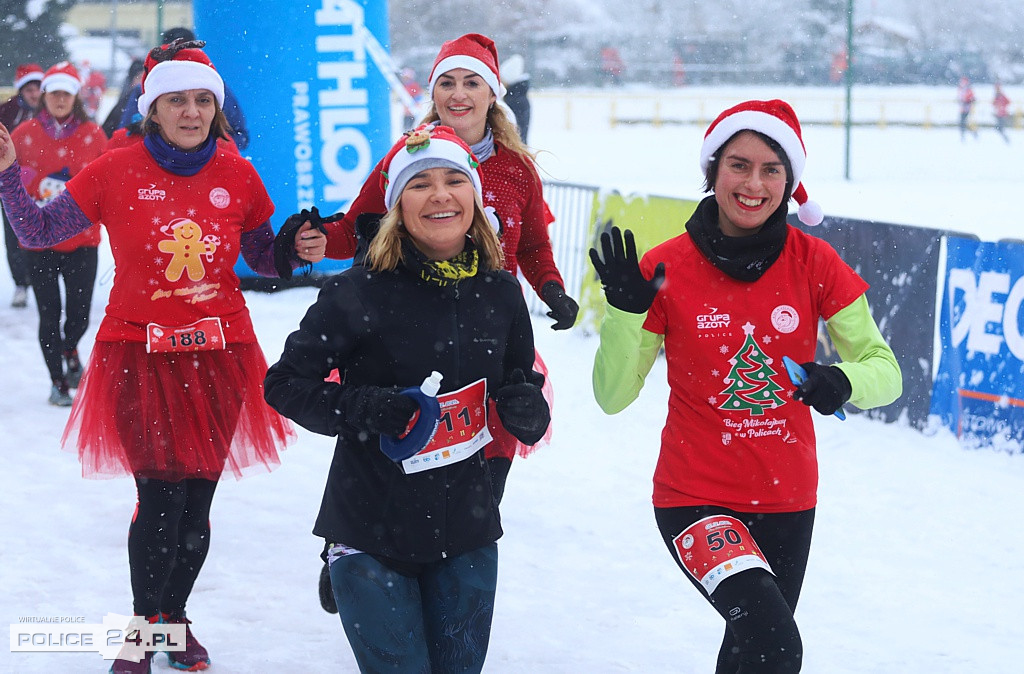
{"x":915,"y":566}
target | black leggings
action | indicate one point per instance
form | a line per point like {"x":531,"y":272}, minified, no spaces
{"x":760,"y":632}
{"x":15,"y":255}
{"x":79,"y":271}
{"x":167,"y":543}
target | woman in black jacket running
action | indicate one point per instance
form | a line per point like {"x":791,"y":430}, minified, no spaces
{"x":412,"y":544}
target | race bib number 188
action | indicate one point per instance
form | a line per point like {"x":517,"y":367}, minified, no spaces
{"x":716,"y":547}
{"x":204,"y":335}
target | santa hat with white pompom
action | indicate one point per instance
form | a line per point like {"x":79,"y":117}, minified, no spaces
{"x":776,"y":120}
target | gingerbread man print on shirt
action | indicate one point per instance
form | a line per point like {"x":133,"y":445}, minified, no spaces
{"x":187,"y":248}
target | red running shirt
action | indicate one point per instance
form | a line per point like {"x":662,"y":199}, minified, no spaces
{"x":47,"y":164}
{"x":175,"y":239}
{"x":734,"y":436}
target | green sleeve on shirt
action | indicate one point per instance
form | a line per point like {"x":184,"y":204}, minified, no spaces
{"x":624,"y":357}
{"x":868,"y":362}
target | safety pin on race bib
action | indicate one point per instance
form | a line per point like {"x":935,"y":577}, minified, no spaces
{"x":798,"y":375}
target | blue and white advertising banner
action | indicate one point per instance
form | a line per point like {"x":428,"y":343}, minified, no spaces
{"x":317,"y":106}
{"x":979,"y":389}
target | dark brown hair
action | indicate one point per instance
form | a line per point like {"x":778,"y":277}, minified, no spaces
{"x":77,"y":108}
{"x":711,"y":174}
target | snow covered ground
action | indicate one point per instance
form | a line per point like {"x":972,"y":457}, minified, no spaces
{"x":915,"y":565}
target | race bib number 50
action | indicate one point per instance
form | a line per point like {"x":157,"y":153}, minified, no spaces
{"x":716,"y":547}
{"x":204,"y":335}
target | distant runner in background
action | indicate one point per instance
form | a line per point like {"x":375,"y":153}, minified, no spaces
{"x":131,"y":80}
{"x":53,"y":147}
{"x":1001,"y":109}
{"x":21,"y":107}
{"x":517,"y":82}
{"x":965,"y":98}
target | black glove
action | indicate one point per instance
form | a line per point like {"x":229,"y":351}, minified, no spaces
{"x":563,"y":308}
{"x":624,"y":284}
{"x":321,"y":221}
{"x":381,"y":411}
{"x":522,"y":409}
{"x":284,"y":242}
{"x":825,"y":389}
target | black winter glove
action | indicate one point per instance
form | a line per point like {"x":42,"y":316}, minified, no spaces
{"x":522,"y":409}
{"x":381,"y":411}
{"x":624,"y":284}
{"x":321,"y":221}
{"x":825,"y":389}
{"x":284,"y":242}
{"x":563,"y":308}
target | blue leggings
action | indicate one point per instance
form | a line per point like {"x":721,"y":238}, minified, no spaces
{"x":436,"y":622}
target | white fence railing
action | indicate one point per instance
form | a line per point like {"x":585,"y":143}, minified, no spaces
{"x":874,"y":106}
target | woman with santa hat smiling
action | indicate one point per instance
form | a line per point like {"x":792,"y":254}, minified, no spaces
{"x":735,"y":487}
{"x":173,"y":392}
{"x":411,"y":537}
{"x":54,"y":146}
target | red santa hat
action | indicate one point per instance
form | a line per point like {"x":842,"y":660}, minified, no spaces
{"x":27,"y":72}
{"x":425,"y":147}
{"x":475,"y":53}
{"x":776,"y":120}
{"x":62,"y":77}
{"x":179,"y":66}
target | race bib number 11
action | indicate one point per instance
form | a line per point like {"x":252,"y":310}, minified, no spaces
{"x":204,"y":335}
{"x":461,"y":432}
{"x":716,"y":547}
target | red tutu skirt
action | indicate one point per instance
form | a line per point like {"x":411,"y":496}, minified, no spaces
{"x":503,"y":443}
{"x":174,"y":416}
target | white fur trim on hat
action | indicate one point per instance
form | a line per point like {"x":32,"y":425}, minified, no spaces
{"x":179,"y":75}
{"x":469,"y":63}
{"x":439,"y":153}
{"x":62,"y":82}
{"x":31,"y":76}
{"x":754,"y":120}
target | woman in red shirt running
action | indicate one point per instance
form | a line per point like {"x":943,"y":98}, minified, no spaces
{"x":173,"y":392}
{"x":735,"y":486}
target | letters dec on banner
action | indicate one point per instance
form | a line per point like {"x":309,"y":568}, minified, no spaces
{"x":979,"y":387}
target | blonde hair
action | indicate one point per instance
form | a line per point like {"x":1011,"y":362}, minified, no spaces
{"x":505,"y":132}
{"x":385,"y":251}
